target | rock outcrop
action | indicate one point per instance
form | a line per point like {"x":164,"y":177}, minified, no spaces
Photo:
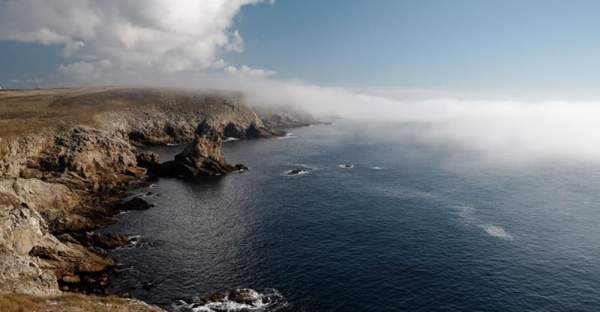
{"x":202,"y":157}
{"x":150,"y":161}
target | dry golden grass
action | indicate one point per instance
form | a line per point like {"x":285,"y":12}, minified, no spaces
{"x":31,"y":111}
{"x":71,"y":303}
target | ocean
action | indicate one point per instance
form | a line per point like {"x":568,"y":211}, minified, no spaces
{"x":376,"y":219}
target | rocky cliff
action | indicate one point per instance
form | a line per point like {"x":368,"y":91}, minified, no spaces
{"x":67,"y":159}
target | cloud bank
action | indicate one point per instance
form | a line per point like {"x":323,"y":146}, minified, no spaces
{"x":114,"y":37}
{"x":501,"y":130}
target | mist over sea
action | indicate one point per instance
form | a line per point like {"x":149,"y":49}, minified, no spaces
{"x":401,"y":225}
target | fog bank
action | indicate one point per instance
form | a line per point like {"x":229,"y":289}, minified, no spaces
{"x":512,"y":130}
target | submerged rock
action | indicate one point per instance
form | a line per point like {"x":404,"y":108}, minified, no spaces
{"x":136,"y":203}
{"x":246,"y":296}
{"x":296,"y":172}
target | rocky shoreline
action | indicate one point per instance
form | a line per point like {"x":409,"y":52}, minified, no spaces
{"x":58,"y":185}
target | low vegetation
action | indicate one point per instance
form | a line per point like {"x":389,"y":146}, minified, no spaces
{"x":71,"y":303}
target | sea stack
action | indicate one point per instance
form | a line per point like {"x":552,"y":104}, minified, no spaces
{"x":202,"y":157}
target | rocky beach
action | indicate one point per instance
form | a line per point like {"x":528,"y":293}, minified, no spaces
{"x":69,"y":159}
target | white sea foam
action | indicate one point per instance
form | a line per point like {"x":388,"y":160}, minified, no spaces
{"x":288,"y":135}
{"x":226,"y":301}
{"x":377,"y":168}
{"x":345,"y":166}
{"x":496,"y":231}
{"x":303,"y":165}
{"x":299,"y":172}
{"x":230,"y":139}
{"x":468,"y":215}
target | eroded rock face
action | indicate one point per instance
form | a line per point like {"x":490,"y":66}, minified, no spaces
{"x":32,"y":260}
{"x":52,"y":200}
{"x":21,"y":229}
{"x":202,"y":157}
{"x":98,"y":157}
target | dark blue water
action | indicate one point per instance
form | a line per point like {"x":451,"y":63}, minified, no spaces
{"x":434,"y":229}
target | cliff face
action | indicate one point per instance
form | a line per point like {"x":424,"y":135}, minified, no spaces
{"x":67,"y":159}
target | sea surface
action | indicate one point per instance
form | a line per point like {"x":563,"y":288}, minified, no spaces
{"x":378,"y":220}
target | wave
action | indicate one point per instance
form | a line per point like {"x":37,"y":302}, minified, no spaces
{"x":468,"y":217}
{"x":288,"y":135}
{"x":496,"y":231}
{"x":345,"y":166}
{"x":230,"y":139}
{"x":133,"y":241}
{"x":296,"y":172}
{"x":377,"y":168}
{"x":303,"y":165}
{"x":241,"y":299}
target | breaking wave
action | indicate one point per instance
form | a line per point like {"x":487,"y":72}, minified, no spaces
{"x":496,"y":231}
{"x":468,"y":215}
{"x":288,"y":135}
{"x":230,"y":139}
{"x":241,"y":299}
{"x":296,"y":172}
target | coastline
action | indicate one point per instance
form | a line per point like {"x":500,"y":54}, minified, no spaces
{"x":59,"y":185}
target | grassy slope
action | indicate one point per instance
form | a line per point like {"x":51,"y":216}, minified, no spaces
{"x":71,"y":303}
{"x":30,"y":111}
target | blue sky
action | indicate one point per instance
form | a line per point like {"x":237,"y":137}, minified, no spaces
{"x":508,"y":45}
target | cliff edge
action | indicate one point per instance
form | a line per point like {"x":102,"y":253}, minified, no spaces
{"x":68,"y":158}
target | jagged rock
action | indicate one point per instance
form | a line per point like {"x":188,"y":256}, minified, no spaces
{"x":150,"y":161}
{"x":245,"y":296}
{"x":296,"y":171}
{"x":21,"y":229}
{"x":233,"y":131}
{"x":100,"y":158}
{"x":46,"y":198}
{"x":255,"y":132}
{"x":202,"y":157}
{"x":43,"y":253}
{"x":67,"y":238}
{"x":106,"y":241}
{"x":71,"y":279}
{"x":136,"y":203}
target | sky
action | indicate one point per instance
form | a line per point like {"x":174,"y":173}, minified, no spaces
{"x":510,"y":47}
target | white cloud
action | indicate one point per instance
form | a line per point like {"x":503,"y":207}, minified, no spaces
{"x":157,"y":35}
{"x":245,"y":71}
